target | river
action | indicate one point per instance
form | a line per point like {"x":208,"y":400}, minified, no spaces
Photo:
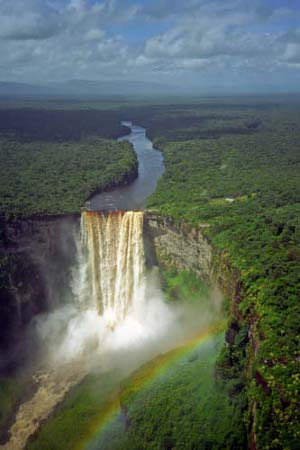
{"x":134,"y":195}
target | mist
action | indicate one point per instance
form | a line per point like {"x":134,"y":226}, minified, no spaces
{"x":152,"y":326}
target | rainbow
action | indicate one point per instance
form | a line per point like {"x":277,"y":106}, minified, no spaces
{"x":143,"y":377}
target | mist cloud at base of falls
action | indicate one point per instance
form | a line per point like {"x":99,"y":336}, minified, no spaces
{"x":152,"y":326}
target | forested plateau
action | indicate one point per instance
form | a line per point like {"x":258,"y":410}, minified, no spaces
{"x":232,"y":168}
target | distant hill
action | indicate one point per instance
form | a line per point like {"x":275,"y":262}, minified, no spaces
{"x":86,"y":88}
{"x":23,"y":89}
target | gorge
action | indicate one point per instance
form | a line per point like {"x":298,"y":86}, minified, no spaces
{"x":101,"y":296}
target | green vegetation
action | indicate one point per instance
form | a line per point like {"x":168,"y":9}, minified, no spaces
{"x":53,"y":159}
{"x":42,"y":178}
{"x":10,"y":392}
{"x":175,"y":410}
{"x":184,"y":286}
{"x":182,"y":407}
{"x":72,"y":422}
{"x":63,"y":124}
{"x":246,"y":187}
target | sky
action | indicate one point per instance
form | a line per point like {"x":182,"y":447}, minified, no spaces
{"x":207,"y":45}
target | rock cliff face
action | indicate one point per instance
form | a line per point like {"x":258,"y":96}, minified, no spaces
{"x":184,"y":247}
{"x":36,"y":257}
{"x":180,"y":246}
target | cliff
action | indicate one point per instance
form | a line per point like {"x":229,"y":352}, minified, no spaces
{"x":183,"y":247}
{"x":186,"y":248}
{"x":35,"y":256}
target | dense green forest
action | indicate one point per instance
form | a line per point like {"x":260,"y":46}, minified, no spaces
{"x":52,"y":160}
{"x":246,"y":187}
{"x":41,"y":124}
{"x":43,"y":178}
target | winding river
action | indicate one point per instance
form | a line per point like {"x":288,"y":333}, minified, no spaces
{"x":134,"y":195}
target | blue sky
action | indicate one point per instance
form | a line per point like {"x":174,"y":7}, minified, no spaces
{"x":207,"y":45}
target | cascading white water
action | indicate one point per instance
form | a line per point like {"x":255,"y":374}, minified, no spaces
{"x":112,"y":262}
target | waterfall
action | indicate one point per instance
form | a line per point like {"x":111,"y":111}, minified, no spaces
{"x":112,"y":262}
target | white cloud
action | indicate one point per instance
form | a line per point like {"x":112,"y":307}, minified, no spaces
{"x":292,"y":53}
{"x":37,"y":20}
{"x":94,"y":35}
{"x":209,"y":38}
{"x":61,"y":39}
